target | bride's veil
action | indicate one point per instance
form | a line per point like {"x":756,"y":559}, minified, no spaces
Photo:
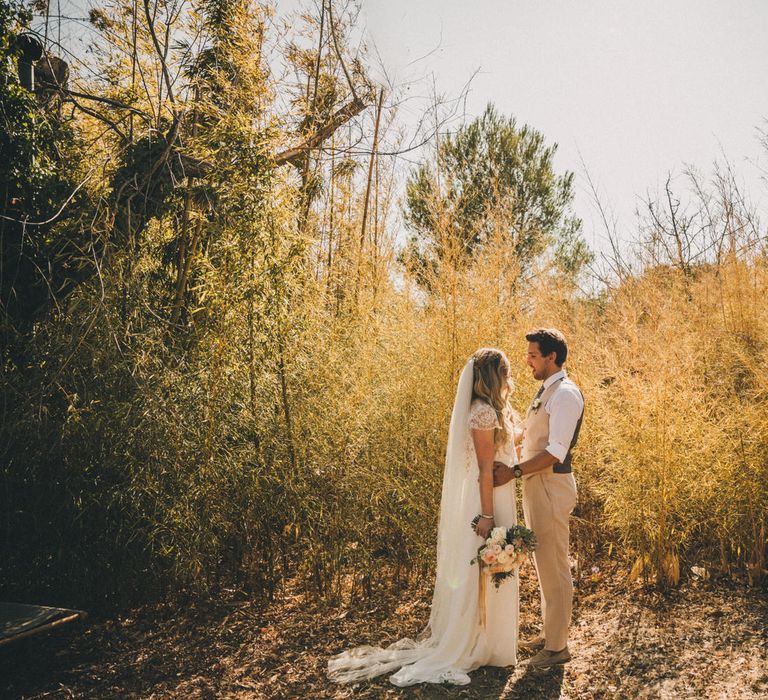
{"x":448,"y":646}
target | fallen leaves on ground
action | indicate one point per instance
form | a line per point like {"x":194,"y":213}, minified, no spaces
{"x":701,"y":641}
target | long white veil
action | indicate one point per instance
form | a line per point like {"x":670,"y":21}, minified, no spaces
{"x":452,"y":642}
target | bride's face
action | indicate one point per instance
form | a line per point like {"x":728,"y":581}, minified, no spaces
{"x":505,"y":384}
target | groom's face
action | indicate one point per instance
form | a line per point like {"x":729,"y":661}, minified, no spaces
{"x":541,"y":366}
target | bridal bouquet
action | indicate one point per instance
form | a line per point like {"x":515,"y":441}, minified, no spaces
{"x":503,"y":551}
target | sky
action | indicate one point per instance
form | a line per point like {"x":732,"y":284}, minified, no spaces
{"x":630,"y":91}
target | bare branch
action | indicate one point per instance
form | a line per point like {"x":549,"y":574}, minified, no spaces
{"x":339,"y":118}
{"x":161,"y":55}
{"x":338,"y":52}
{"x":104,"y":100}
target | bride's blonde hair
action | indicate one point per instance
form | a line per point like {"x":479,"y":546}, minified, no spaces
{"x":491,"y":376}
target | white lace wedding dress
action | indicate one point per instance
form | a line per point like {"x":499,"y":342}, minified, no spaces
{"x":454,"y":642}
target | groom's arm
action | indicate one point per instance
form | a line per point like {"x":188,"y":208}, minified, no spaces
{"x":502,"y":474}
{"x":564,"y":412}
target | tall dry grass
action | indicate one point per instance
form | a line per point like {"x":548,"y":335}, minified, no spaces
{"x":295,"y":422}
{"x":312,"y":442}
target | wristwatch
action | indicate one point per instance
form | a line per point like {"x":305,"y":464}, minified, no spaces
{"x":517,"y":471}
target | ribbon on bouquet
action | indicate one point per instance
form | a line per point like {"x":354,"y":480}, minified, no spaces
{"x":481,"y":586}
{"x":484,"y":573}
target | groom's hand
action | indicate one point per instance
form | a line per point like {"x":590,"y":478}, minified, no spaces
{"x":502,"y":474}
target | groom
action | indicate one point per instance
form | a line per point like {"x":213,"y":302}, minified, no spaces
{"x":552,"y":426}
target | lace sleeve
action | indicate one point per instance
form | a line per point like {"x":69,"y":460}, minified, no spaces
{"x":483,"y":417}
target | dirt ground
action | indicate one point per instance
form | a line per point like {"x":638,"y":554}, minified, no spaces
{"x":702,"y":641}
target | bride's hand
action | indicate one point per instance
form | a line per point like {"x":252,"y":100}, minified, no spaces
{"x":484,"y":527}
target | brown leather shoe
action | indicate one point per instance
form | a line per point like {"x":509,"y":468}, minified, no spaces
{"x":546,"y":658}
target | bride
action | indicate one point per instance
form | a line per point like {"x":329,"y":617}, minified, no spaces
{"x":455,"y":642}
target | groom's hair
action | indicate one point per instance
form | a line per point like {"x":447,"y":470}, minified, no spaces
{"x":550,"y":340}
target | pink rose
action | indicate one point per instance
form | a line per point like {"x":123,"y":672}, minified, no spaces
{"x":509,"y":549}
{"x":489,"y":557}
{"x":496,"y":549}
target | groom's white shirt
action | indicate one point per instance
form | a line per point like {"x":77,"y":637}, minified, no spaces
{"x":564,"y":408}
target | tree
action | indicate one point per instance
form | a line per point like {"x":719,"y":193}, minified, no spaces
{"x":490,"y":174}
{"x":41,"y":241}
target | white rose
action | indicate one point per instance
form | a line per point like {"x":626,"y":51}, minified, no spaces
{"x":499,"y":534}
{"x":503,"y":558}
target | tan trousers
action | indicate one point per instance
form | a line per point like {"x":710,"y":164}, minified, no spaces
{"x":548,"y":500}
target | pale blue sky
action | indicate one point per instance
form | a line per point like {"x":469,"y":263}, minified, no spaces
{"x":637,"y":88}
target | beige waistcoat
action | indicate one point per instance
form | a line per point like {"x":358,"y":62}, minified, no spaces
{"x":536,"y":437}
